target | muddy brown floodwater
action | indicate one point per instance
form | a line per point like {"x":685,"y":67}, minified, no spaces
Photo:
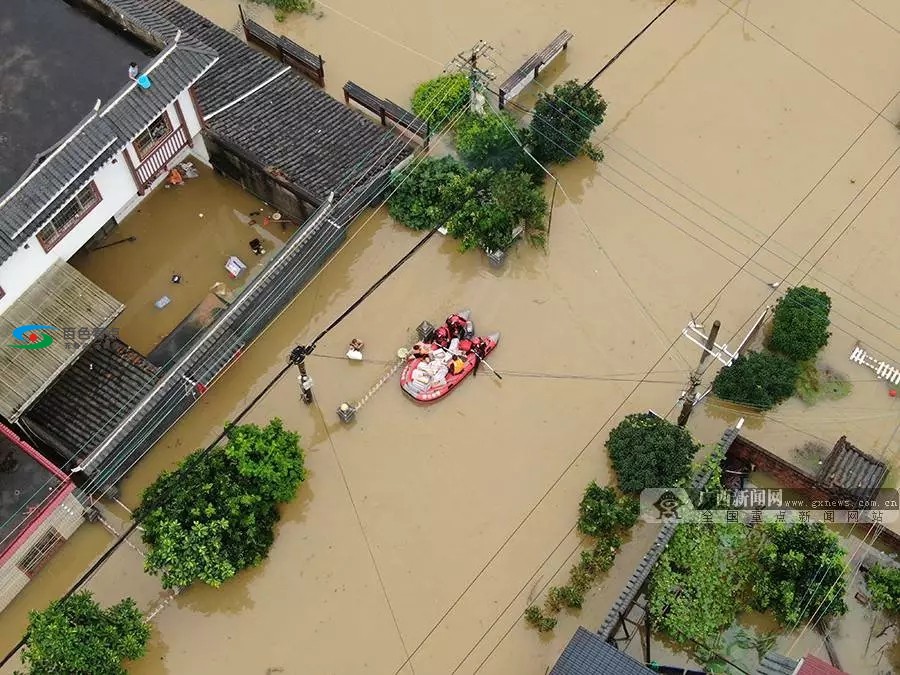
{"x":189,"y":230}
{"x":757,"y":130}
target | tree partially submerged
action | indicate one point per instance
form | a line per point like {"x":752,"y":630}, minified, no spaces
{"x":758,"y":379}
{"x":486,"y":207}
{"x":284,"y":7}
{"x":563,"y":122}
{"x":802,"y":577}
{"x":603,"y":511}
{"x":440,"y":100}
{"x":800,"y":323}
{"x":884,"y":587}
{"x":649,"y":452}
{"x":487,"y":142}
{"x":215,"y":514}
{"x":76,"y":636}
{"x":419,"y":197}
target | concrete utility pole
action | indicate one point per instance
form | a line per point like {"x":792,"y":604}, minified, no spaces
{"x":298,"y":358}
{"x":690,"y":396}
{"x":477,"y":76}
{"x":721,"y":353}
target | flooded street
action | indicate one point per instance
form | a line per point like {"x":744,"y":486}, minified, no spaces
{"x":745,"y":141}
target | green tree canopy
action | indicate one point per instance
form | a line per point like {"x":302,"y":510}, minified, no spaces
{"x":759,"y":379}
{"x":603,"y":511}
{"x":486,"y":142}
{"x":800,"y":323}
{"x":700,"y":582}
{"x":649,"y":452}
{"x":563,"y":122}
{"x":419,"y":199}
{"x":215,"y":515}
{"x":438,"y":101}
{"x":884,"y":587}
{"x":269,"y":457}
{"x":487,"y":207}
{"x":76,"y":636}
{"x":802,"y":572}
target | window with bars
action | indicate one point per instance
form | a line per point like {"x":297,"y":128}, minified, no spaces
{"x":147,"y":141}
{"x":70,"y":215}
{"x":38,"y":555}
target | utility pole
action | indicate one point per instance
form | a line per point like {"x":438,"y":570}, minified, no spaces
{"x":690,"y":396}
{"x":298,"y":358}
{"x":721,"y":353}
{"x":477,"y":76}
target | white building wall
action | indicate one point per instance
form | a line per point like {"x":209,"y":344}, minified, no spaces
{"x":119,"y":196}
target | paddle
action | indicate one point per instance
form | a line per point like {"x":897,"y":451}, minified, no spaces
{"x":487,"y":365}
{"x":477,"y":361}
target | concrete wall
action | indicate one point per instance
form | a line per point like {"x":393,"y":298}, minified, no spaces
{"x":65,"y":517}
{"x":789,"y":476}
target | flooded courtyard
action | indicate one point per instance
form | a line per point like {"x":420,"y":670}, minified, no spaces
{"x":745,"y":142}
{"x":186,"y":232}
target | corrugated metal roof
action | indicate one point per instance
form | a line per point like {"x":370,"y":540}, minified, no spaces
{"x":62,"y":298}
{"x":588,"y":654}
{"x":39,"y":195}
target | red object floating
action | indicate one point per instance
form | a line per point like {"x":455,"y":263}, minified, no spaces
{"x":892,"y":393}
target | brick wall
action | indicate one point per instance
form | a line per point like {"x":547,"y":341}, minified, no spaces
{"x":789,"y":476}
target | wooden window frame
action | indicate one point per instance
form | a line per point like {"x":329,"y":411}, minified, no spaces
{"x":144,"y":153}
{"x":61,"y":230}
{"x":42,"y":551}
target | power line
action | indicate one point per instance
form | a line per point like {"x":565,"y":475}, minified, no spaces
{"x":762,"y":246}
{"x":251,"y":316}
{"x":205,"y":452}
{"x":337,"y":233}
{"x":588,"y":124}
{"x":294,"y":361}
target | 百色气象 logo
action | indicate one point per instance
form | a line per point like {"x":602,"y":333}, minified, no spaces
{"x":29,"y":338}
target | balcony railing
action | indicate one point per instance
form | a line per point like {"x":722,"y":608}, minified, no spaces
{"x":155,"y":163}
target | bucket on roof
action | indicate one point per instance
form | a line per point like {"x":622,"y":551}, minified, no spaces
{"x":143,"y":81}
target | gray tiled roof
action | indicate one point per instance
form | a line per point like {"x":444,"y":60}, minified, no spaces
{"x":849,"y":468}
{"x":774,"y":663}
{"x":588,"y":654}
{"x":313,"y":139}
{"x":37,"y":197}
{"x":90,"y":398}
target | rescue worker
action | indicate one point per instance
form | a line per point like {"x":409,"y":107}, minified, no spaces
{"x":442,"y":336}
{"x":479,"y":348}
{"x":457,"y":325}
